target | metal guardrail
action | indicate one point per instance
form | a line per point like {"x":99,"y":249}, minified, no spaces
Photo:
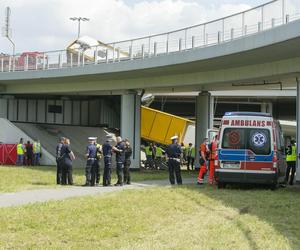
{"x":255,"y":20}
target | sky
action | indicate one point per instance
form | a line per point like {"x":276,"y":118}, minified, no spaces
{"x":44,"y":25}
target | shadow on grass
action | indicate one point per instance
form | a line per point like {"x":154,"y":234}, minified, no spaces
{"x":280,"y":208}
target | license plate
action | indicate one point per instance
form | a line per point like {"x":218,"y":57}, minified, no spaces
{"x":231,"y":164}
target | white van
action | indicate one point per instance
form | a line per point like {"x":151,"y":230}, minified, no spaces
{"x":251,"y":150}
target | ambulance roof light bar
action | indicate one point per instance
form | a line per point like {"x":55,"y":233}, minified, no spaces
{"x":247,"y":114}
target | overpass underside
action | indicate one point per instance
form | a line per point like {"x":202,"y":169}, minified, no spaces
{"x":268,"y":60}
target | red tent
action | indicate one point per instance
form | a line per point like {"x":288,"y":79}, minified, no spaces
{"x":8,"y":154}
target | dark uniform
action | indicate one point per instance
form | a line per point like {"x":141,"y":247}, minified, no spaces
{"x":91,"y":163}
{"x":59,"y":159}
{"x":107,"y":154}
{"x":127,"y":162}
{"x":66,"y":165}
{"x":96,"y":170}
{"x":174,"y":152}
{"x":120,"y":159}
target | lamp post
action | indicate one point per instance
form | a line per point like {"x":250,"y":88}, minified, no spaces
{"x":79,"y":19}
{"x":7,"y":30}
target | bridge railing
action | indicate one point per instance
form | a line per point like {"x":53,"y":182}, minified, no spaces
{"x":255,"y":20}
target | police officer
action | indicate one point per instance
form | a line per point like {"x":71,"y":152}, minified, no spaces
{"x":107,"y":154}
{"x":96,"y":171}
{"x":174,"y":153}
{"x":119,"y":149}
{"x":59,"y":159}
{"x":128,"y":153}
{"x":91,"y":155}
{"x":291,"y":157}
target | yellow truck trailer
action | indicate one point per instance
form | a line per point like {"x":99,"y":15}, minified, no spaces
{"x":159,"y":127}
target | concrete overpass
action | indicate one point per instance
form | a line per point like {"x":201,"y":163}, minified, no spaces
{"x":267,"y":58}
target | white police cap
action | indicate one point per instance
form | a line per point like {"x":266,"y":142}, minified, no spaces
{"x":175,"y":137}
{"x":92,"y":138}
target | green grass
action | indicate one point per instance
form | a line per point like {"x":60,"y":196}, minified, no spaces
{"x":187,"y":217}
{"x":25,"y":178}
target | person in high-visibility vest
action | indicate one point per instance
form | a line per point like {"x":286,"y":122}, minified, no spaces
{"x":190,"y":156}
{"x":158,"y":156}
{"x":203,"y":151}
{"x":183,"y":155}
{"x":212,"y":157}
{"x":37,"y":150}
{"x":149,"y":156}
{"x":20,"y":152}
{"x":291,"y":157}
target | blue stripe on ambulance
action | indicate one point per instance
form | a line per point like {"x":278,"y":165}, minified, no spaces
{"x":239,"y":155}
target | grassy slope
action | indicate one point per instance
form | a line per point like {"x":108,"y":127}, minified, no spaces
{"x":17,"y":179}
{"x":185,"y":217}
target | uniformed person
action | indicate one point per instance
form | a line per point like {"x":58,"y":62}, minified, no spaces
{"x":158,"y":157}
{"x":149,"y":156}
{"x":291,"y":157}
{"x":127,"y":163}
{"x":203,"y":151}
{"x":174,"y":153}
{"x":212,"y":157}
{"x":107,"y":154}
{"x":119,"y":149}
{"x":20,"y":152}
{"x":59,"y":160}
{"x":37,"y":149}
{"x":190,"y":155}
{"x":66,"y":162}
{"x":96,"y":171}
{"x":91,"y":156}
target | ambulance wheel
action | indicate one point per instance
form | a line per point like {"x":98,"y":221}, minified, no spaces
{"x":221,"y":185}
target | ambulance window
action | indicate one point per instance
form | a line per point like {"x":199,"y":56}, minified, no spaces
{"x":234,"y":138}
{"x":256,"y":140}
{"x":259,"y":141}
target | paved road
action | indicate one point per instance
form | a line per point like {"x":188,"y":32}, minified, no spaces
{"x":43,"y":195}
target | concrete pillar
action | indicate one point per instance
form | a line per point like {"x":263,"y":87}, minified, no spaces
{"x":270,"y":108}
{"x":267,"y":107}
{"x":263,"y":107}
{"x":131,"y":125}
{"x":203,"y":120}
{"x":298,"y":131}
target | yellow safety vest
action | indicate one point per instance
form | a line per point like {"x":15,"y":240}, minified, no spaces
{"x":20,"y":149}
{"x":193,"y":152}
{"x":99,"y":155}
{"x":36,"y":147}
{"x":159,"y":152}
{"x":148,"y":150}
{"x":293,"y":155}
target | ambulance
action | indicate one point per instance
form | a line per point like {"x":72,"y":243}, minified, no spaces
{"x":251,"y":150}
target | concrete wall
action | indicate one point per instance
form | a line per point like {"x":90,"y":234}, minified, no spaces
{"x":93,"y":112}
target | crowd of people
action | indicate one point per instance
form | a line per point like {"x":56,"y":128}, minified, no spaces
{"x":94,"y":154}
{"x":177,"y":154}
{"x":28,"y":154}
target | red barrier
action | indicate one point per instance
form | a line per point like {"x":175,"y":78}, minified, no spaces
{"x":8,"y":154}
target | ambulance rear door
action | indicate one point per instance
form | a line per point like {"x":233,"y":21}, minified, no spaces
{"x":259,"y":155}
{"x":232,"y":154}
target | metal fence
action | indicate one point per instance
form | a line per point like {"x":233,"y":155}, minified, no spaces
{"x":255,"y":20}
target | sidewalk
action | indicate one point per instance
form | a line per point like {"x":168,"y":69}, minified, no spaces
{"x":43,"y":195}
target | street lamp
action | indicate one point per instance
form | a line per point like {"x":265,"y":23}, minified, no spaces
{"x":79,"y":19}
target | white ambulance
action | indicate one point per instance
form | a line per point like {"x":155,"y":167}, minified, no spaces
{"x":251,"y":150}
